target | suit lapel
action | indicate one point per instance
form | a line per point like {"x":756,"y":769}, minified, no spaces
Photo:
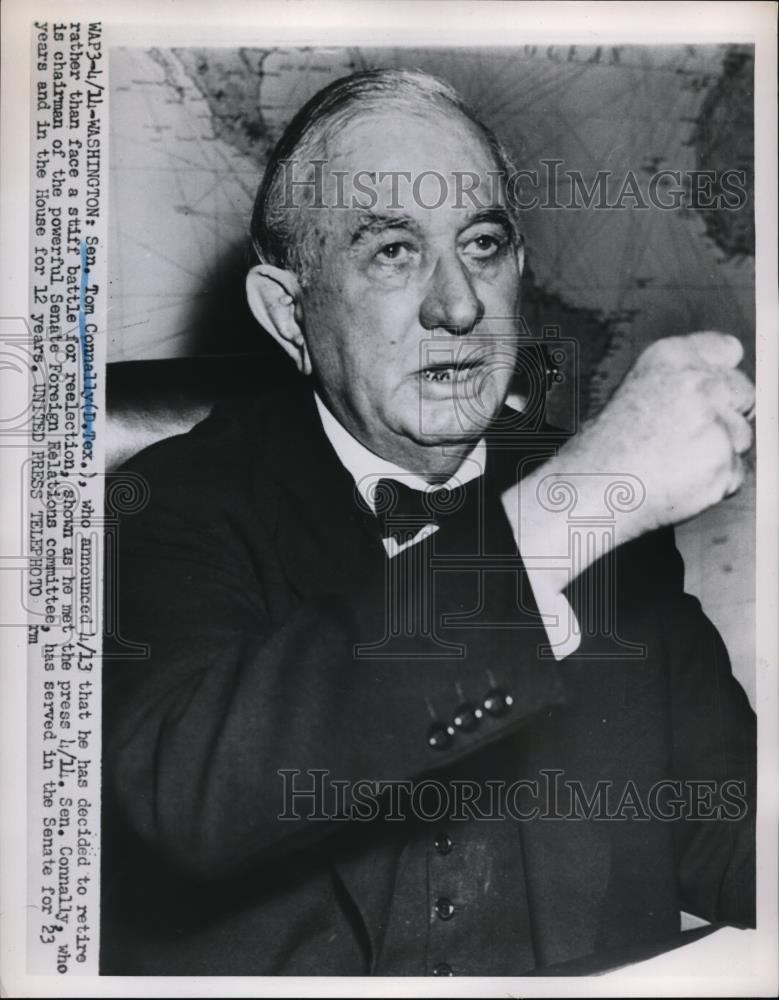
{"x":329,"y":541}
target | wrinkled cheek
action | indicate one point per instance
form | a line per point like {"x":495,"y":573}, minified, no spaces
{"x":502,"y":364}
{"x":479,"y":409}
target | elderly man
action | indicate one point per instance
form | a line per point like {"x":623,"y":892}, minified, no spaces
{"x":377,"y":731}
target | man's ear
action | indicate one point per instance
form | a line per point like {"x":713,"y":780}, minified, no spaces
{"x":273,"y":298}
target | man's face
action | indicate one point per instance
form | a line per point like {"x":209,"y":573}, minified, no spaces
{"x":411,"y":318}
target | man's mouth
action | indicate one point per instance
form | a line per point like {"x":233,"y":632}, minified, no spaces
{"x":449,"y":373}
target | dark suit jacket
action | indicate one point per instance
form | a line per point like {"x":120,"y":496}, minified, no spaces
{"x":251,"y":575}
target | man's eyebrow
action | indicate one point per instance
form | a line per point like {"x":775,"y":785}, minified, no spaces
{"x":498,"y":216}
{"x":370,"y":223}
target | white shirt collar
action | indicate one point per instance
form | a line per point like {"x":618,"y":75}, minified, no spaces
{"x":366,"y":468}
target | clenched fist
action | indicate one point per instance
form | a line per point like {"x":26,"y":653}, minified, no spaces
{"x":678,"y":423}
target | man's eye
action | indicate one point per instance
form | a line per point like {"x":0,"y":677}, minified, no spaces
{"x":393,"y":252}
{"x":484,"y":246}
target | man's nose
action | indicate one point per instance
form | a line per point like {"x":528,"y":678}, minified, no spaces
{"x":450,"y":301}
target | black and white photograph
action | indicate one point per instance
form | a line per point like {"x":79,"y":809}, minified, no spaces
{"x":397,"y":492}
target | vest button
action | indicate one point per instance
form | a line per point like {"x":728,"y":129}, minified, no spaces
{"x":443,"y":843}
{"x":444,"y":908}
{"x":465,"y":718}
{"x":497,"y":702}
{"x":443,"y":969}
{"x":438,"y":737}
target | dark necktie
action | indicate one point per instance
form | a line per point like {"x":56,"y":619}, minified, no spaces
{"x":403,"y":512}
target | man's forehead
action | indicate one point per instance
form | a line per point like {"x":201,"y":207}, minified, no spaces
{"x":398,"y":171}
{"x":429,"y":171}
{"x":402,"y":142}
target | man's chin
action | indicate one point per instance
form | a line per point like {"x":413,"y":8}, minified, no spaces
{"x":455,"y":420}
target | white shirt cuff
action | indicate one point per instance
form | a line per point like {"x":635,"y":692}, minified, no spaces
{"x":560,"y":622}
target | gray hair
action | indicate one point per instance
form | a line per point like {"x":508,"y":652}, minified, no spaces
{"x":281,"y":234}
